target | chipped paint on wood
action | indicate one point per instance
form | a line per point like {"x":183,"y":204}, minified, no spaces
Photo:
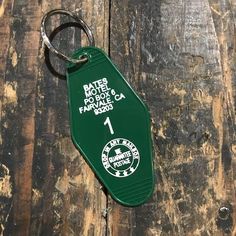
{"x":217,"y":112}
{"x":14,"y":59}
{"x":181,"y":93}
{"x":5,"y":182}
{"x":67,"y":148}
{"x":62,"y":183}
{"x":36,"y":196}
{"x":184,"y":87}
{"x":2,"y":7}
{"x":10,"y":96}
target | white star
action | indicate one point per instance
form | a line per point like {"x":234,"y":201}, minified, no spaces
{"x":132,"y":169}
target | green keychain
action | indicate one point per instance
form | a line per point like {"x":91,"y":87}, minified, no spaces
{"x":110,"y":125}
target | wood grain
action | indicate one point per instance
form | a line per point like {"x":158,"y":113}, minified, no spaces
{"x":53,"y":190}
{"x":180,"y":58}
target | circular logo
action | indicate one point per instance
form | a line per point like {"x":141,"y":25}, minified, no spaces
{"x":120,"y":157}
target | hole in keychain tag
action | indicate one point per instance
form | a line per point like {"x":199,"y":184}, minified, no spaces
{"x":110,"y":126}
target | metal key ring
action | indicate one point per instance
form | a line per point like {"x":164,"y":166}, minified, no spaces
{"x":83,"y":25}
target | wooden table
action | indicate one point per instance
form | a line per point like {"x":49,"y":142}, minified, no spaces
{"x":179,"y":56}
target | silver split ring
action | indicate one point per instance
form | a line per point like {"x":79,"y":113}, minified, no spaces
{"x":83,"y":25}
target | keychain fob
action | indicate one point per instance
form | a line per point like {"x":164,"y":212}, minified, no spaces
{"x":110,"y":126}
{"x":109,"y":123}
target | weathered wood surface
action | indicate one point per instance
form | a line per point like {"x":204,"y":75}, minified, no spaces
{"x":180,"y":57}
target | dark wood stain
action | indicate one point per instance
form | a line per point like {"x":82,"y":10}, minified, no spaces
{"x":180,"y":58}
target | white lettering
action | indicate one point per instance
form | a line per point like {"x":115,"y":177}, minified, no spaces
{"x":119,"y":97}
{"x":99,"y":97}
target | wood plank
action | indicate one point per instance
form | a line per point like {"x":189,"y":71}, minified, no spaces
{"x":76,"y":202}
{"x":18,"y":132}
{"x":7,"y":95}
{"x":54,"y":191}
{"x":179,"y":60}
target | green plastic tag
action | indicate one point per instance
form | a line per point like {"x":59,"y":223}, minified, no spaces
{"x":110,"y":126}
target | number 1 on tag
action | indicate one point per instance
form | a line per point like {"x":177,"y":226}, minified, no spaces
{"x":108,"y":122}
